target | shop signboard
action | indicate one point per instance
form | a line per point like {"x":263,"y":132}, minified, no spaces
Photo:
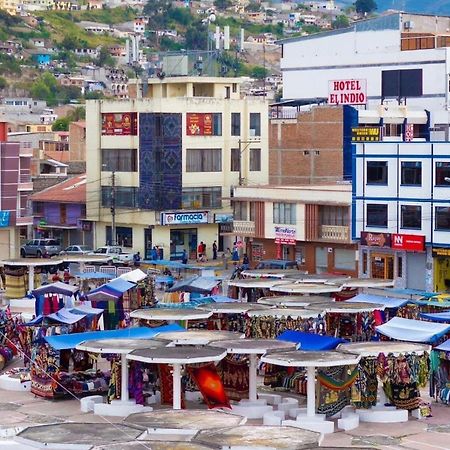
{"x":440,"y":251}
{"x":285,"y":235}
{"x":347,"y":92}
{"x":366,"y":134}
{"x":408,"y":242}
{"x":184,"y":218}
{"x":119,"y":124}
{"x":4,"y":218}
{"x":223,"y":218}
{"x":199,"y":124}
{"x":375,"y":239}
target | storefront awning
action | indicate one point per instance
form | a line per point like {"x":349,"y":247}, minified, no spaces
{"x":68,"y":341}
{"x":437,"y":317}
{"x":310,"y":341}
{"x":388,"y":302}
{"x":413,"y":330}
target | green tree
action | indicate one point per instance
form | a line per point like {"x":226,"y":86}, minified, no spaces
{"x":3,"y":83}
{"x":45,"y":88}
{"x":259,"y":72}
{"x":197,"y":37}
{"x":94,"y":95}
{"x":79,"y":113}
{"x":365,"y":6}
{"x":181,"y":16}
{"x":253,"y":7}
{"x":222,"y":4}
{"x":61,"y":124}
{"x":157,"y":12}
{"x":341,"y":22}
{"x":104,"y":58}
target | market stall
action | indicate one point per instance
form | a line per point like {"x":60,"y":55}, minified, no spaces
{"x":401,"y":367}
{"x":177,"y":357}
{"x":301,"y":288}
{"x":310,"y":420}
{"x":250,"y":290}
{"x":197,"y":337}
{"x":120,"y":346}
{"x":252,"y":348}
{"x":170,"y":315}
{"x":290,"y":301}
{"x":440,"y":373}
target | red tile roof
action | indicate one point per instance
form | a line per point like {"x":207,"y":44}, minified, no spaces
{"x":69,"y":191}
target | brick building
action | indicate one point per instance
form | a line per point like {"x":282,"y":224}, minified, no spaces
{"x":309,"y":147}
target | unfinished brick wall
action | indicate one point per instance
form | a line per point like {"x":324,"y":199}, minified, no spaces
{"x":307,"y":150}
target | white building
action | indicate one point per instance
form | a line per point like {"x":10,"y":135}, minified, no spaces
{"x":400,"y":58}
{"x":402,"y":212}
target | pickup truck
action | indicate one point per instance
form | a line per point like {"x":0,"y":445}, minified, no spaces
{"x":116,"y":253}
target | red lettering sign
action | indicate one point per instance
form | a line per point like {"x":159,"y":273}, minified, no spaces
{"x":408,"y":242}
{"x":347,"y":92}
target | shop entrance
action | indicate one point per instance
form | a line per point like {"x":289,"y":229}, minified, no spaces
{"x":382,"y":266}
{"x":183,"y":239}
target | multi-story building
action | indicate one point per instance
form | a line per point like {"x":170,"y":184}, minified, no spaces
{"x":15,"y":186}
{"x":170,"y":156}
{"x":396,"y":58}
{"x":309,"y":224}
{"x":402,"y":213}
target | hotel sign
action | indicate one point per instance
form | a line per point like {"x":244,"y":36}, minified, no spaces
{"x":184,"y":218}
{"x":347,"y":92}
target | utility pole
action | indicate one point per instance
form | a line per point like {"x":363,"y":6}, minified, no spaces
{"x":242,"y":150}
{"x":113,"y":208}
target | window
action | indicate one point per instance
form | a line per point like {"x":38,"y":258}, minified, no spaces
{"x":227,"y":92}
{"x":411,"y":173}
{"x":204,"y":160}
{"x":206,"y":197}
{"x":255,"y":124}
{"x":123,"y":160}
{"x":217,"y":124}
{"x":334,"y":215}
{"x":411,"y":216}
{"x":235,"y":124}
{"x":124,"y":236}
{"x":255,"y":160}
{"x":442,"y":214}
{"x":443,"y":174}
{"x":126,"y":197}
{"x":240,"y":211}
{"x":235,"y":159}
{"x":377,"y":172}
{"x":284,"y":213}
{"x":392,"y":130}
{"x":377,"y":215}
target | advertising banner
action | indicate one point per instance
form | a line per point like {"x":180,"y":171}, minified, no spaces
{"x":199,"y":124}
{"x":285,"y":235}
{"x":119,"y":124}
{"x":375,"y":239}
{"x":366,"y":134}
{"x":408,"y":242}
{"x":184,"y":218}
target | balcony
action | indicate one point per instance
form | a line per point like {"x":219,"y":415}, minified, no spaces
{"x":244,"y":228}
{"x":24,"y":217}
{"x":25,"y":183}
{"x":334,"y":233}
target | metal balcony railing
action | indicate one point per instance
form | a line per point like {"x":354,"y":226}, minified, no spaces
{"x":334,"y":233}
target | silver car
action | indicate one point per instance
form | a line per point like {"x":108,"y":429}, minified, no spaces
{"x":76,"y":250}
{"x":41,"y":248}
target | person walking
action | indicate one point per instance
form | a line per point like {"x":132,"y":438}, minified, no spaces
{"x":184,"y":257}
{"x":154,"y":253}
{"x":245,"y":262}
{"x":235,"y":255}
{"x":200,"y":250}
{"x":137,"y":259}
{"x":214,"y":249}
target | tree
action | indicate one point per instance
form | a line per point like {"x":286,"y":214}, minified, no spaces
{"x":157,"y":12}
{"x":341,"y":22}
{"x":3,"y":83}
{"x":253,"y":7}
{"x":222,"y":4}
{"x":104,"y":58}
{"x":61,"y":124}
{"x":365,"y":6}
{"x":258,"y":72}
{"x":196,"y":37}
{"x":45,"y":88}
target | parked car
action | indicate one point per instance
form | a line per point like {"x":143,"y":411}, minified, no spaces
{"x":116,"y":253}
{"x":41,"y":248}
{"x":76,"y":250}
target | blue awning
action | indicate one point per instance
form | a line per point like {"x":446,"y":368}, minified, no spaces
{"x":68,"y":341}
{"x":388,"y":302}
{"x":202,"y":285}
{"x":310,"y":341}
{"x":56,"y":288}
{"x":120,"y":285}
{"x":93,"y":276}
{"x":444,"y":347}
{"x":437,"y":317}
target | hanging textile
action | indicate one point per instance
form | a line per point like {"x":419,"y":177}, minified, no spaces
{"x":365,"y":388}
{"x":166,"y":385}
{"x":136,"y":382}
{"x":210,"y":385}
{"x":333,"y":392}
{"x":114,"y":382}
{"x":234,"y":375}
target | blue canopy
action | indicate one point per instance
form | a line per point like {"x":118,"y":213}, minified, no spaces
{"x":310,"y":341}
{"x":437,"y":317}
{"x":186,"y":305}
{"x":68,"y":341}
{"x":444,"y":347}
{"x":202,"y":285}
{"x":120,"y":285}
{"x":388,"y":302}
{"x":56,"y":288}
{"x":93,"y":276}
